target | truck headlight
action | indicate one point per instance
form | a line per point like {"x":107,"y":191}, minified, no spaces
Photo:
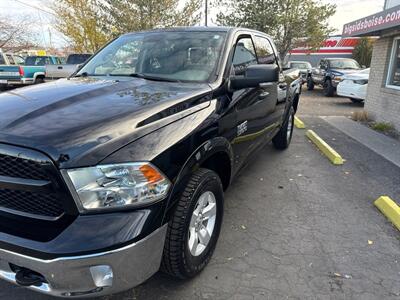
{"x":117,"y":185}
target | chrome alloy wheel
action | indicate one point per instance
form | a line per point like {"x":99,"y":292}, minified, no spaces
{"x":202,"y":223}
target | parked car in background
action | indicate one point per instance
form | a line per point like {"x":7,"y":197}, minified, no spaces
{"x":354,"y":86}
{"x":11,"y":59}
{"x":304,"y":67}
{"x":32,"y":72}
{"x":64,"y":70}
{"x":330,"y":72}
{"x":122,"y":168}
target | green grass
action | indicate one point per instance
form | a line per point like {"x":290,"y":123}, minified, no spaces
{"x":382,"y":126}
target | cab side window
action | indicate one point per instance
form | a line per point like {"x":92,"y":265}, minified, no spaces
{"x":244,"y":55}
{"x":264,"y":50}
{"x":10,"y":59}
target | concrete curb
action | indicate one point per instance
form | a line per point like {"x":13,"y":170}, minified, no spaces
{"x":299,"y":123}
{"x":377,"y":142}
{"x":390,"y":209}
{"x":332,"y":155}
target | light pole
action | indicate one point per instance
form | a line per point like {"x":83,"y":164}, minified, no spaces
{"x":206,"y":13}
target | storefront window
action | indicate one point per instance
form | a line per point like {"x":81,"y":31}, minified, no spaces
{"x":393,"y":79}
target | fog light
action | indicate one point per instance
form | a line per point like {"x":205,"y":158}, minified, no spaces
{"x":102,"y":275}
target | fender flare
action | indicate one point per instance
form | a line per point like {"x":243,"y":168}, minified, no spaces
{"x":36,"y":74}
{"x":199,"y":156}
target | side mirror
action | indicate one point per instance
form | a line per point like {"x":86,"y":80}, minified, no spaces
{"x":254,"y":75}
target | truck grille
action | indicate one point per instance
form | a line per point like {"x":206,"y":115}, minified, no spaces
{"x":21,"y":168}
{"x":26,"y":169}
{"x":31,"y":203}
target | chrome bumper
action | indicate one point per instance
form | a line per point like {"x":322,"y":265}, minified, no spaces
{"x":94,"y":274}
{"x":22,"y":81}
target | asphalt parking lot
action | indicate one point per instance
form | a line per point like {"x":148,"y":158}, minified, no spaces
{"x":296,"y":226}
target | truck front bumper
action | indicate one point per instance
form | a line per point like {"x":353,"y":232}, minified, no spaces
{"x":89,"y":275}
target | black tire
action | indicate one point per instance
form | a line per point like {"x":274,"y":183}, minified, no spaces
{"x":329,"y":89}
{"x":39,"y":80}
{"x":282,"y":139}
{"x":354,"y":100}
{"x":177,"y":259}
{"x":310,"y":83}
{"x":3,"y":87}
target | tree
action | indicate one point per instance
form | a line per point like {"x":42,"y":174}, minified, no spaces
{"x":15,"y":34}
{"x":81,"y":23}
{"x":287,"y":21}
{"x":134,"y":15}
{"x":363,"y":51}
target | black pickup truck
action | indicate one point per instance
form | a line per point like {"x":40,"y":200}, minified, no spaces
{"x":121,"y":168}
{"x":330,"y":72}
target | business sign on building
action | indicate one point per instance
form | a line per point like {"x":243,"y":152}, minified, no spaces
{"x":332,"y":45}
{"x":374,"y":23}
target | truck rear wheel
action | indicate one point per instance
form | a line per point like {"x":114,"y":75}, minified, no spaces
{"x":282,"y":139}
{"x":39,"y":80}
{"x":194,"y":226}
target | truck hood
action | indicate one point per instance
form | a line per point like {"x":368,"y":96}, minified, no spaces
{"x":80,"y":121}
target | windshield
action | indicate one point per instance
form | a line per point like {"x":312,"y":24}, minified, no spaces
{"x":300,"y":65}
{"x":344,"y":64}
{"x":183,"y":56}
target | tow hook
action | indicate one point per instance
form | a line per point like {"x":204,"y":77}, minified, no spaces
{"x":26,"y":277}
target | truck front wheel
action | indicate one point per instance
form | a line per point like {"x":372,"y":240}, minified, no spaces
{"x":194,"y":226}
{"x":310,"y":83}
{"x":329,"y":90}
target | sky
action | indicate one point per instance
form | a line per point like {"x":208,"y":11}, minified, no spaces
{"x":38,"y":10}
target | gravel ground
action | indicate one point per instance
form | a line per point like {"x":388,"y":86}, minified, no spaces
{"x":296,"y":226}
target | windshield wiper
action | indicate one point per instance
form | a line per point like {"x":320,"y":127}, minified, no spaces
{"x":148,"y":77}
{"x":84,"y":74}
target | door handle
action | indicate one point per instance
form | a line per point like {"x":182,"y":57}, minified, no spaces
{"x":263,"y":95}
{"x":59,"y":67}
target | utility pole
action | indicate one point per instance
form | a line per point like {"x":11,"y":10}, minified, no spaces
{"x":206,"y":13}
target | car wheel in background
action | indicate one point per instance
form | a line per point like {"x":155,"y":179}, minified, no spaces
{"x":310,"y":84}
{"x":39,"y":80}
{"x":354,"y":100}
{"x":194,"y":226}
{"x":282,"y":139}
{"x":329,"y":90}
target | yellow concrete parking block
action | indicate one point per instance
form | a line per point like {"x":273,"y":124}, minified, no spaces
{"x":332,"y":155}
{"x":390,"y":209}
{"x":299,"y":123}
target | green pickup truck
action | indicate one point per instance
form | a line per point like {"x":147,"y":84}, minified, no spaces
{"x":32,"y":72}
